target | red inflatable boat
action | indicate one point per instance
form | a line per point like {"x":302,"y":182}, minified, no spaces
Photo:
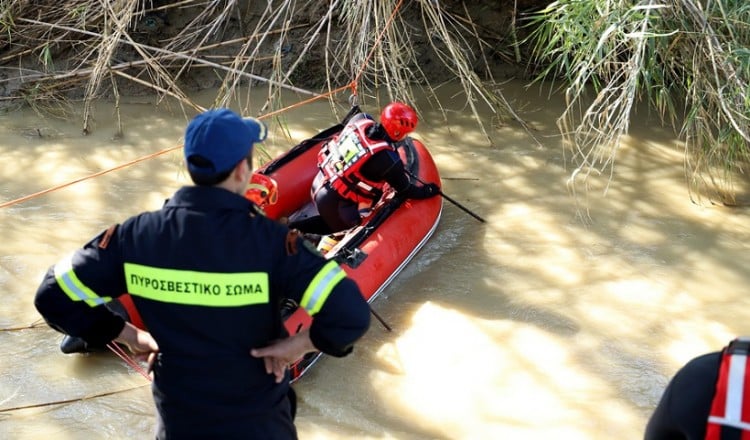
{"x":372,"y":253}
{"x":389,"y":236}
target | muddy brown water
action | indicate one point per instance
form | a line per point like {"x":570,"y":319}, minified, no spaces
{"x":534,"y":325}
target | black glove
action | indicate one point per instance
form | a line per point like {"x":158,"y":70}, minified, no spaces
{"x":426,"y":191}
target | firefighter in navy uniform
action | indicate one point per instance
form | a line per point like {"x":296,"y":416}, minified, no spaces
{"x":208,"y":274}
{"x":706,"y":397}
{"x":356,"y":165}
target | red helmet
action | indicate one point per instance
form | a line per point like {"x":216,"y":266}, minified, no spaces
{"x":398,"y":120}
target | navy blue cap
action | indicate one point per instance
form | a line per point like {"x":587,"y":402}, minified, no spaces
{"x":221,"y":137}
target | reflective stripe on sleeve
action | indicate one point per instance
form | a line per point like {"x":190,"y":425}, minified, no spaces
{"x":321,"y":286}
{"x":735,"y":387}
{"x":73,"y":287}
{"x":211,"y":289}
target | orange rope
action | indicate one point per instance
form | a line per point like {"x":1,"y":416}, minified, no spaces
{"x":91,"y":176}
{"x":159,"y":153}
{"x":377,"y":42}
{"x":116,"y":349}
{"x":307,"y":101}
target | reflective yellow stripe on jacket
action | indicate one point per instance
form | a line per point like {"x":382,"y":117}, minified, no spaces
{"x":73,"y":287}
{"x":212,"y":289}
{"x":321,"y":286}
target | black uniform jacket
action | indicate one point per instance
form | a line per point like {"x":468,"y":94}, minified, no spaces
{"x":682,"y":412}
{"x":206,"y":273}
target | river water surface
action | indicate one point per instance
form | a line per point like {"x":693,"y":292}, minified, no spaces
{"x":541,"y":323}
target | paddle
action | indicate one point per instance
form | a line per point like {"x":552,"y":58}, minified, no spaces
{"x":442,"y":194}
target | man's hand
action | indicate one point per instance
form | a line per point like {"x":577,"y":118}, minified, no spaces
{"x":425,"y":191}
{"x":280,"y":354}
{"x":139,"y":342}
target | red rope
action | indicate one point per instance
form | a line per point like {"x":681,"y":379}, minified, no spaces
{"x":122,"y":354}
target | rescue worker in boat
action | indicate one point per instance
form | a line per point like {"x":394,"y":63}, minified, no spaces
{"x":707,"y":398}
{"x":355,"y":166}
{"x":208,"y":274}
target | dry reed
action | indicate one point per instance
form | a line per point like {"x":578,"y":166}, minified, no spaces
{"x":54,"y":52}
{"x":690,"y":60}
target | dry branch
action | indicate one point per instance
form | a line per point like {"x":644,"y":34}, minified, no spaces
{"x":69,"y":46}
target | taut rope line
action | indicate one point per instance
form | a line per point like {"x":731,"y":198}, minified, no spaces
{"x":91,"y":176}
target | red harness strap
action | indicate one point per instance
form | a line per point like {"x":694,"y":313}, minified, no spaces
{"x":730,"y":409}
